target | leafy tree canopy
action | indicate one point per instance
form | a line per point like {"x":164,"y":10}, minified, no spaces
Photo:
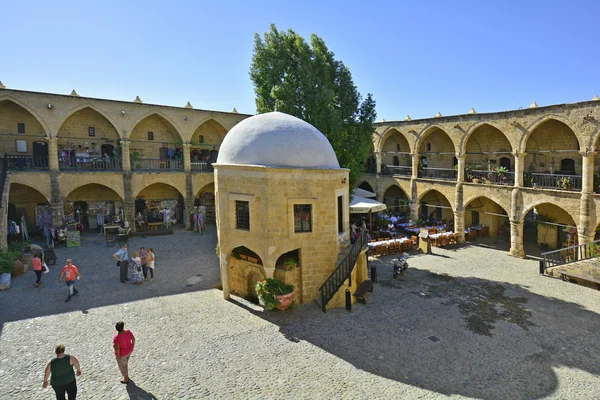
{"x":306,"y":81}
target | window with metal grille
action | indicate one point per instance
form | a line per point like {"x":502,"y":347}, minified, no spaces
{"x":20,"y":127}
{"x":150,"y":135}
{"x":91,"y":131}
{"x":302,"y":218}
{"x":242,"y":215}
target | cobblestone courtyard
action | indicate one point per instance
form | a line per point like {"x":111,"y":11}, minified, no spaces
{"x":468,"y":322}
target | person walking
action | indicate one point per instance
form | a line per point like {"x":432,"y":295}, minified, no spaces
{"x":123,"y":343}
{"x":63,"y":379}
{"x":150,"y":262}
{"x":122,"y":257}
{"x":71,"y":273}
{"x":143,"y":253}
{"x":36,"y":265}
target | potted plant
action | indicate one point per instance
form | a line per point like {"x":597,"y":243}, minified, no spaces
{"x":289,"y":264}
{"x":9,"y":265}
{"x":564,"y":183}
{"x":273,"y":293}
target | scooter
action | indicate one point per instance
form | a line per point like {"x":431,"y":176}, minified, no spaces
{"x":400,"y":265}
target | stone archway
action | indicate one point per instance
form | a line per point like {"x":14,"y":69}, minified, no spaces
{"x":434,"y":205}
{"x":550,"y":226}
{"x":23,"y":201}
{"x":486,"y":149}
{"x":206,"y":197}
{"x":547,"y":146}
{"x":153,"y":199}
{"x":155,"y":138}
{"x":395,"y":149}
{"x":85,"y":202}
{"x":437,"y":153}
{"x":485,"y":212}
{"x":18,"y":122}
{"x":245,"y":270}
{"x":396,"y":200}
{"x":366,"y":186}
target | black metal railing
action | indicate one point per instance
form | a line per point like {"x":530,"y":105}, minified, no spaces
{"x":493,"y":177}
{"x":205,"y":166}
{"x":26,"y":162}
{"x":396,"y":170}
{"x":153,"y":164}
{"x":92,"y":164}
{"x":343,"y":271}
{"x":445,"y":174}
{"x":3,"y":176}
{"x":568,"y":255}
{"x":553,"y":181}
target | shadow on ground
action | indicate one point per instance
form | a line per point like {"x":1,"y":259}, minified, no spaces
{"x":185,"y":262}
{"x":454,"y":335}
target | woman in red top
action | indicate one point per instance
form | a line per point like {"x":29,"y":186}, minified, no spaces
{"x":36,"y":264}
{"x":123,"y":343}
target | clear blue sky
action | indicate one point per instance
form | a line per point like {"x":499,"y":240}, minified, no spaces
{"x":416,"y":58}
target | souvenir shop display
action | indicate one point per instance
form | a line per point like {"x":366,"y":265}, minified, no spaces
{"x":207,"y":199}
{"x":73,"y":236}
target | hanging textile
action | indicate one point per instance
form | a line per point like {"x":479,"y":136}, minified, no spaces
{"x":24,"y":231}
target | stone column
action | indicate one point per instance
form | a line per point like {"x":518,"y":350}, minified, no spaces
{"x":224,"y":264}
{"x":516,"y":238}
{"x":461,"y":167}
{"x":587,"y":172}
{"x":53,"y":154}
{"x":56,"y":201}
{"x":414,"y":201}
{"x":414,"y":211}
{"x":125,"y":158}
{"x":519,"y":167}
{"x":129,"y":212}
{"x":415,"y":165}
{"x":190,"y":199}
{"x":187,"y":157}
{"x":459,"y":224}
{"x":378,"y":161}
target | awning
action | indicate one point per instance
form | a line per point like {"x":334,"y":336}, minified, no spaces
{"x":363,"y":193}
{"x":362,"y":205}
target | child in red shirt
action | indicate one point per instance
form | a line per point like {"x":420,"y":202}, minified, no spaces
{"x":69,"y":271}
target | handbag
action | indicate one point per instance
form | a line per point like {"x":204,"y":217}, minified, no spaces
{"x":118,"y":263}
{"x":45,"y":268}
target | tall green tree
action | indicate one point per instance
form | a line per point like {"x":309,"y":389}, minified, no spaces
{"x":306,"y":81}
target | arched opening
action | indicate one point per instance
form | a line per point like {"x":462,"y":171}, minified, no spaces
{"x":395,"y":154}
{"x":160,"y":205}
{"x":439,"y":151}
{"x":548,"y":227}
{"x":156,"y":145}
{"x":93,"y":205}
{"x":206,"y":198}
{"x":486,"y":218}
{"x":365,"y":186}
{"x":435,"y":209}
{"x":245,"y":271}
{"x":371,"y":165}
{"x":489,"y":157}
{"x":206,"y":141}
{"x":396,"y":201}
{"x":26,"y":204}
{"x":22,"y":138}
{"x":548,"y":144}
{"x":80,"y":142}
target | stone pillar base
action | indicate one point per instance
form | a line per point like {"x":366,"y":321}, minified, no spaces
{"x":189,"y":219}
{"x":58,"y":213}
{"x":516,"y":239}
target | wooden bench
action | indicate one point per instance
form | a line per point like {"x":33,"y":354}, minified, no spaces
{"x":364,"y":289}
{"x":153,"y":226}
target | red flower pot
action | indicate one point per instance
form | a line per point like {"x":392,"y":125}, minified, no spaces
{"x":285,"y":300}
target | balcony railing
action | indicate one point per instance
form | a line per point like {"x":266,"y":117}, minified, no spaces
{"x":445,"y":174}
{"x":553,"y":181}
{"x":204,"y":166}
{"x":26,"y":162}
{"x":493,"y":177}
{"x":396,"y":170}
{"x":92,"y":164}
{"x":150,"y":164}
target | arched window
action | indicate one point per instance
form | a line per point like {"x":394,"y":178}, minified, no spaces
{"x":397,"y":146}
{"x":567,"y":165}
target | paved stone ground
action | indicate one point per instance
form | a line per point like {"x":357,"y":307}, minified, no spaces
{"x":465,"y":322}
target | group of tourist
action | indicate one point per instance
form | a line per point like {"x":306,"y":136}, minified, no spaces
{"x":142,"y":262}
{"x":59,"y":370}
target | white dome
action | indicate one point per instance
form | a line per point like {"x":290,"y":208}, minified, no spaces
{"x":277,"y":140}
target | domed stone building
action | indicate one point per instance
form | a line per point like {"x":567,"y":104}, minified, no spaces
{"x":280,"y":195}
